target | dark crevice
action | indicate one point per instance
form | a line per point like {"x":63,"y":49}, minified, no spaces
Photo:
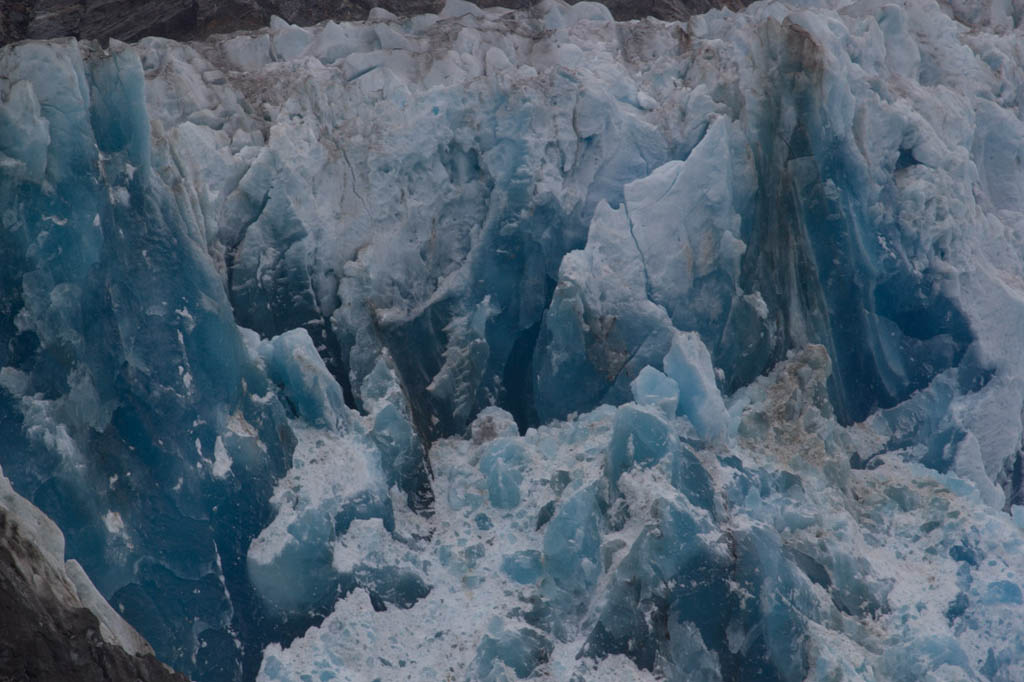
{"x":424,"y":333}
{"x":1012,"y":482}
{"x":518,"y":379}
{"x":518,"y":376}
{"x":906,"y":159}
{"x":329,"y":348}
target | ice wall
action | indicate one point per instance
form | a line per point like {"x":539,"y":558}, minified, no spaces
{"x":130,"y":412}
{"x":678,"y":346}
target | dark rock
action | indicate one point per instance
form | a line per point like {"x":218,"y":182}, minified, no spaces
{"x":46,"y":634}
{"x":668,"y":10}
{"x":130,"y":20}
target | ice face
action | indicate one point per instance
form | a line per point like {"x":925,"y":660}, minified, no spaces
{"x":499,"y":344}
{"x":132,"y":411}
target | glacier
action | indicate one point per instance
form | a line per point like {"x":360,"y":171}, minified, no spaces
{"x":496,"y":344}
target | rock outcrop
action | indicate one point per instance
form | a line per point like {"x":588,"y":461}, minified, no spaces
{"x":130,"y":20}
{"x":54,"y":625}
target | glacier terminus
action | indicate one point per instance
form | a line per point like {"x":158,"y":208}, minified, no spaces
{"x":499,"y":344}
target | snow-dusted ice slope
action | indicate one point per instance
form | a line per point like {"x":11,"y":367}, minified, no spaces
{"x":500,"y":345}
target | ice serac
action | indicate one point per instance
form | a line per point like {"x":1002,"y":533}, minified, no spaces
{"x":772,"y":232}
{"x":130,"y":411}
{"x":496,"y":344}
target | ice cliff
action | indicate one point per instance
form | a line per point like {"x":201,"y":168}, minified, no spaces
{"x":493,"y":344}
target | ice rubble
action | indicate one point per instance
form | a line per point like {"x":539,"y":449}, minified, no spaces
{"x":711,"y":331}
{"x":623,"y":533}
